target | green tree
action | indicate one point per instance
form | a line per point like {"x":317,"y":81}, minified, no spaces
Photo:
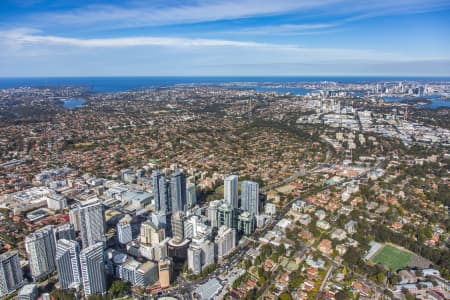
{"x":410,"y":296}
{"x":185,"y":267}
{"x":295,"y":280}
{"x":380,"y":278}
{"x":281,"y":249}
{"x":247,"y":263}
{"x":119,"y":289}
{"x":395,"y":279}
{"x":389,"y":293}
{"x":285,"y":296}
{"x":266,"y":250}
{"x":275,"y":257}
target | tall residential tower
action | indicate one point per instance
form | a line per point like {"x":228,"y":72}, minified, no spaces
{"x":191,"y":195}
{"x":11,"y":277}
{"x":93,"y":269}
{"x":41,"y":249}
{"x":158,"y":177}
{"x":91,"y":222}
{"x":250,"y":197}
{"x":68,"y":263}
{"x":178,"y":191}
{"x":231,"y":190}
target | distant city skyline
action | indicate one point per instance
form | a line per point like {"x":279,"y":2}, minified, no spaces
{"x":224,"y":38}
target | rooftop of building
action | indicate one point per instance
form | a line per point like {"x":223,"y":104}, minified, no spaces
{"x":136,"y":196}
{"x":209,"y":289}
{"x":147,"y":266}
{"x":27,"y":289}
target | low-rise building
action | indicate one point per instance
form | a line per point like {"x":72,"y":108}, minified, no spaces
{"x":28,"y":292}
{"x":209,"y":289}
{"x":324,"y":225}
{"x":325,"y":246}
{"x":350,"y":227}
{"x":56,"y":201}
{"x":305,"y":219}
{"x":341,"y":249}
{"x":320,"y":214}
{"x":270,"y":209}
{"x":283,"y":224}
{"x":338,"y":234}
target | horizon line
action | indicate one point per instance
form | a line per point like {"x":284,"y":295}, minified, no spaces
{"x":224,"y":76}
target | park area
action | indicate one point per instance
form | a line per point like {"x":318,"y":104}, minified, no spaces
{"x":392,"y":257}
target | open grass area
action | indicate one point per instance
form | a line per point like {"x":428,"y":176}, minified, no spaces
{"x":392,"y":257}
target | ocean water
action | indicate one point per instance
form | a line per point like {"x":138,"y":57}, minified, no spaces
{"x":436,"y":101}
{"x":72,"y":103}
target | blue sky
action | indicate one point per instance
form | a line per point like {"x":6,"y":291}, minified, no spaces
{"x":219,"y":37}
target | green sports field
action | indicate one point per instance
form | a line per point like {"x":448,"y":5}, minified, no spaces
{"x":392,"y":257}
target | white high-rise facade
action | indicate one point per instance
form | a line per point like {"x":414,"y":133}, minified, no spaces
{"x":56,"y":201}
{"x":91,"y":222}
{"x":11,"y":277}
{"x":250,"y":197}
{"x":230,"y":190}
{"x":93,"y":269}
{"x":74,"y":215}
{"x":200,"y":254}
{"x":68,"y":263}
{"x":195,"y":259}
{"x":41,"y":249}
{"x":212,"y":211}
{"x":225,"y":241}
{"x":124,"y":233}
{"x":191,"y":227}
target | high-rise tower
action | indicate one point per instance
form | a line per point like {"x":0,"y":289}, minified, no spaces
{"x":178,"y":191}
{"x":157,"y":178}
{"x":124,"y":232}
{"x":250,"y":197}
{"x":11,"y":277}
{"x":68,"y":263}
{"x":231,"y":190}
{"x":191,"y":195}
{"x":91,"y":220}
{"x":41,"y":249}
{"x":93,"y":269}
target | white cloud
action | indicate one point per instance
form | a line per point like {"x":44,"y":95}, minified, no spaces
{"x":26,"y":41}
{"x":24,"y":37}
{"x":28,"y":52}
{"x":285,"y":29}
{"x":179,"y":12}
{"x":183,"y":12}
